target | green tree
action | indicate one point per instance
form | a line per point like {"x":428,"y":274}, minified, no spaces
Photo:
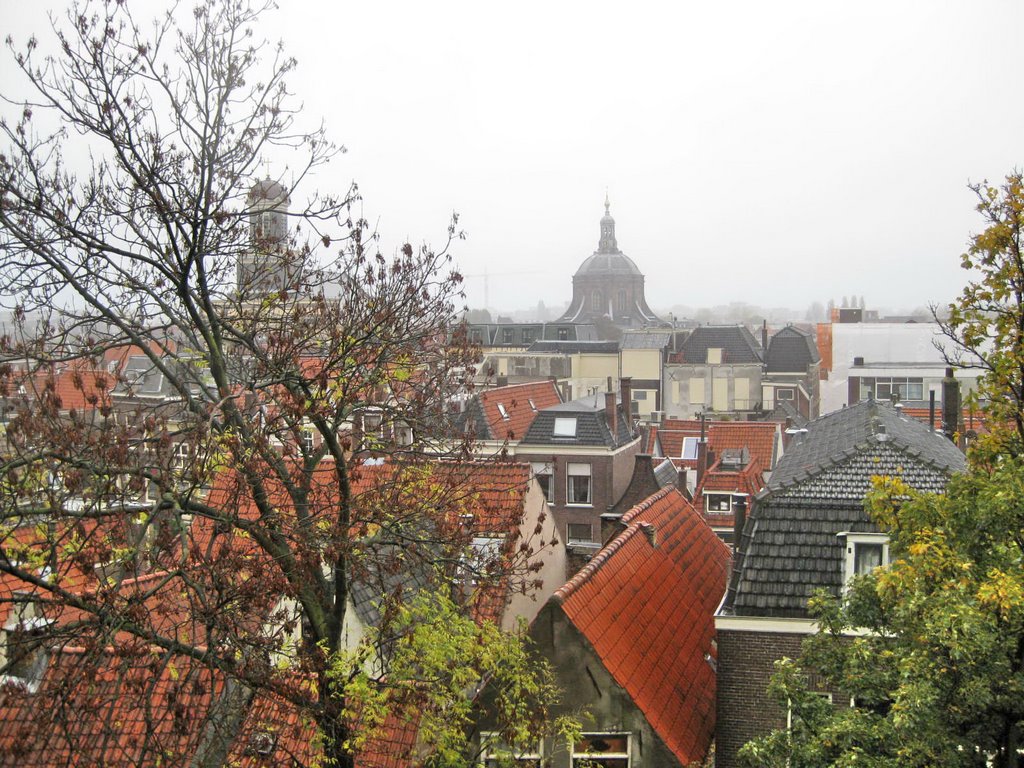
{"x":930,"y":650}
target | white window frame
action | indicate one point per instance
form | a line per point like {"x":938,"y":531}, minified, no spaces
{"x":545,"y":469}
{"x":707,"y":501}
{"x":580,"y":759}
{"x":503,"y":411}
{"x":694,"y":444}
{"x":851,"y":540}
{"x":574,"y":470}
{"x":493,"y":751}
{"x":575,"y":539}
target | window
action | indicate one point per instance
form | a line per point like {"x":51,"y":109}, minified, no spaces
{"x":543,"y":471}
{"x":182,"y":456}
{"x":502,"y":411}
{"x":403,"y":435}
{"x":885,"y":387}
{"x":307,"y":440}
{"x":372,"y":423}
{"x":579,"y":532}
{"x":529,"y":335}
{"x":577,"y":484}
{"x":595,"y":301}
{"x":784,"y":394}
{"x":25,"y":640}
{"x":640,"y":394}
{"x":718,"y":502}
{"x":563,"y":334}
{"x":507,"y":335}
{"x":697,"y":392}
{"x":601,"y":750}
{"x":690,"y":448}
{"x":565,"y":427}
{"x":622,"y":301}
{"x":494,"y":752}
{"x":714,"y":355}
{"x":864,"y":553}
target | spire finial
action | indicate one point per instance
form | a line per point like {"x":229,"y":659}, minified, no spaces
{"x":607,"y":204}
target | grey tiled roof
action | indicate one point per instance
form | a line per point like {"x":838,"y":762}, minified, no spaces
{"x":790,"y":545}
{"x":570,"y":347}
{"x":646,"y":339}
{"x":848,"y":431}
{"x":791,"y":350}
{"x":738,"y":344}
{"x":592,"y":424}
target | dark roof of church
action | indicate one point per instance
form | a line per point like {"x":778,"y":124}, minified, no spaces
{"x":608,"y":264}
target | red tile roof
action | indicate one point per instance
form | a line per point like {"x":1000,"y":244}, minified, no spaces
{"x":971,"y":419}
{"x":648,"y":611}
{"x":748,"y":480}
{"x":759,"y":437}
{"x":520,"y":403}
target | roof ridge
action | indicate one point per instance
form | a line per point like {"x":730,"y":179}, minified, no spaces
{"x":583,"y":576}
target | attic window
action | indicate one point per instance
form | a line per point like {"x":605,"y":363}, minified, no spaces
{"x":714,"y":355}
{"x":502,"y":411}
{"x":533,"y":405}
{"x":565,"y":427}
{"x":864,"y":553}
{"x":690,"y":448}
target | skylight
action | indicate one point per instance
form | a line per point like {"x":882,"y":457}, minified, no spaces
{"x":502,"y":411}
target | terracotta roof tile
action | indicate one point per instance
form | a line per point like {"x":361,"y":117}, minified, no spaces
{"x":509,"y":411}
{"x":650,"y":620}
{"x":759,"y":437}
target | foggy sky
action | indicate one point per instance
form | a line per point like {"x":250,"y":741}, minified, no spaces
{"x":768,"y":153}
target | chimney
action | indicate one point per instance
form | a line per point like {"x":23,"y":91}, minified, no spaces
{"x":703,"y":459}
{"x":739,"y":520}
{"x":950,"y":404}
{"x":931,"y":410}
{"x":764,"y":337}
{"x":611,"y":413}
{"x":626,"y":385}
{"x":684,"y":489}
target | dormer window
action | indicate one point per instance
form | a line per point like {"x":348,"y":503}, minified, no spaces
{"x":714,"y":355}
{"x":689,"y":452}
{"x":24,"y":650}
{"x":864,"y":553}
{"x":565,"y":427}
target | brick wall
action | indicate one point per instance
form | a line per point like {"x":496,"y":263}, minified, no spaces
{"x":745,"y":665}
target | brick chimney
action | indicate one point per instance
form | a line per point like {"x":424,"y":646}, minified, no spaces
{"x":626,"y":386}
{"x":611,"y":413}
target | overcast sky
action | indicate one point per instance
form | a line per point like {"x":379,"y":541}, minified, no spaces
{"x":770,"y":153}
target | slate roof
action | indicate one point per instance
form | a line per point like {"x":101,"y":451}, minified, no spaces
{"x":648,"y":613}
{"x":848,"y":432}
{"x":759,"y":437}
{"x":520,"y":403}
{"x":791,"y":350}
{"x":646,"y":339}
{"x":574,"y":347}
{"x":593,"y":426}
{"x":789,"y":547}
{"x":737,"y":343}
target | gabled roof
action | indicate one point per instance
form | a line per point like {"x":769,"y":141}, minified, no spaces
{"x":862,"y":428}
{"x":791,"y":350}
{"x":737,"y":343}
{"x":592,"y":425}
{"x":647,"y":611}
{"x":761,"y":438}
{"x":646,"y":339}
{"x":506,"y":413}
{"x":719,"y":478}
{"x":790,"y":546}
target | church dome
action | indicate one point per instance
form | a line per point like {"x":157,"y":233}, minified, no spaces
{"x":607,"y":264}
{"x":267,"y":189}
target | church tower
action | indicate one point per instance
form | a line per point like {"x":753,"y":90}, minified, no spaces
{"x":265,"y":265}
{"x":608,"y":286}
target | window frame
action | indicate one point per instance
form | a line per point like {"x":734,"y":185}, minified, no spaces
{"x":570,"y":539}
{"x":578,"y":759}
{"x":851,"y":540}
{"x":718,"y":495}
{"x":560,"y":428}
{"x":494,"y":752}
{"x":545,"y":469}
{"x":572,"y":476}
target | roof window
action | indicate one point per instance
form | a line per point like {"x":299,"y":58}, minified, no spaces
{"x":565,"y":427}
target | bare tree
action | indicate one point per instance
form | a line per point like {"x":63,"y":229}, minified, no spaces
{"x":185,"y":426}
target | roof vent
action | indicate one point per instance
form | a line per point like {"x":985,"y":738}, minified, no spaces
{"x":650,"y":532}
{"x":262,"y":743}
{"x":880,"y":433}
